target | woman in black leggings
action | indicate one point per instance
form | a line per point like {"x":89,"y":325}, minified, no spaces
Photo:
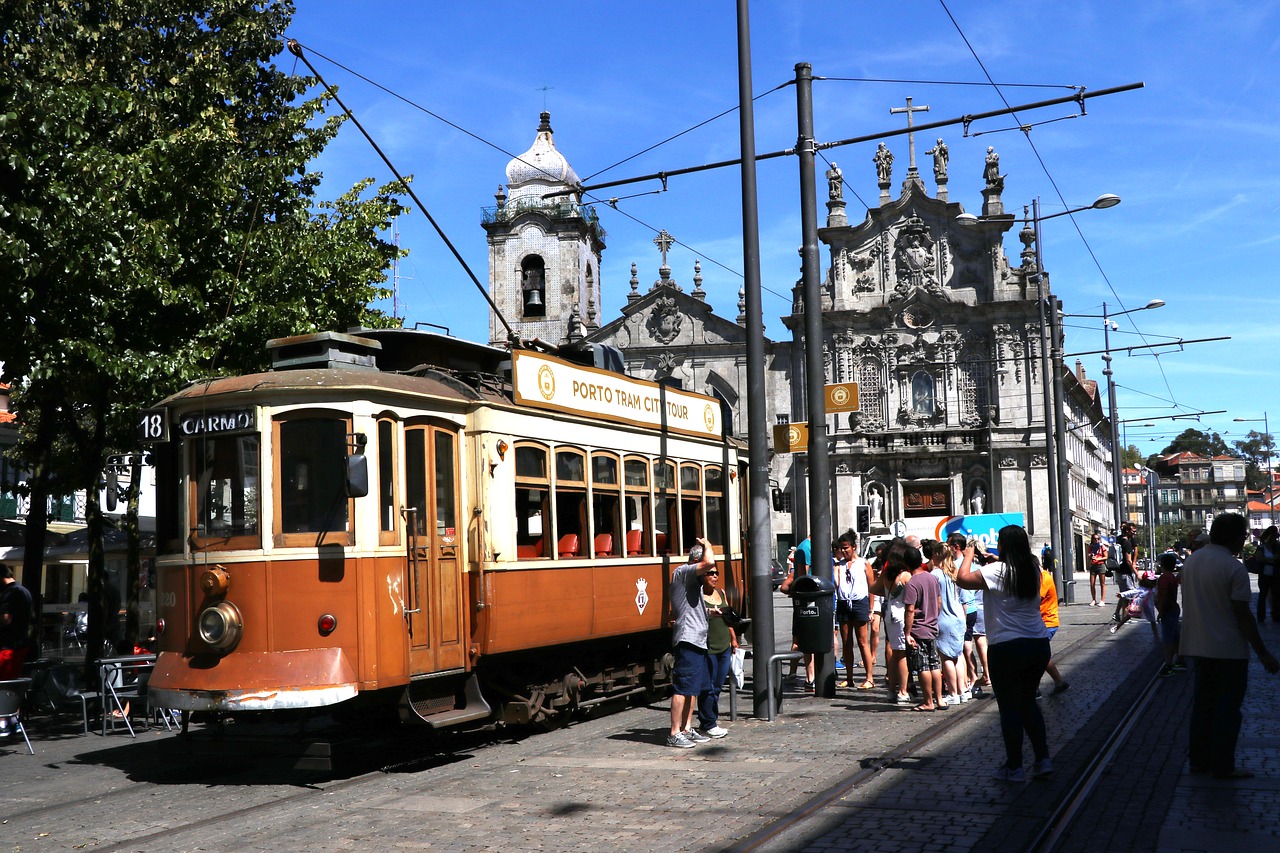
{"x":1017,"y":646}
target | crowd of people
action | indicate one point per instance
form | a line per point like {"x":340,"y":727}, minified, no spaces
{"x":956,"y":621}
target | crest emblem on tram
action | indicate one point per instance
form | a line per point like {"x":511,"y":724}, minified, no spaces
{"x":642,"y":595}
{"x":546,"y":382}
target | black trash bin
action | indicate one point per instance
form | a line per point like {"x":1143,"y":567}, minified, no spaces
{"x":813,"y":614}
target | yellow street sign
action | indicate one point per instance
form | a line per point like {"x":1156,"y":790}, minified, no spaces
{"x":791,"y":438}
{"x":842,"y":397}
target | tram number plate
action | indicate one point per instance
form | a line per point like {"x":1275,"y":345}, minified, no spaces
{"x":153,"y":425}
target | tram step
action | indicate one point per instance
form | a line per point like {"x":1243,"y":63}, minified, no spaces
{"x":438,"y":711}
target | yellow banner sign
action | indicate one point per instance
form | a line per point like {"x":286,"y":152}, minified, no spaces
{"x":551,"y":383}
{"x":791,"y":438}
{"x":842,"y":397}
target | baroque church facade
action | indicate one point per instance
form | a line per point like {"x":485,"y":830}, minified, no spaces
{"x":927,"y":314}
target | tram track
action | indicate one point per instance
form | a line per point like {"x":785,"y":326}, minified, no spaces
{"x":1048,"y":833}
{"x":243,"y":798}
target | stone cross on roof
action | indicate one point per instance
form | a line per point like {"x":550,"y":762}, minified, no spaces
{"x":911,"y":137}
{"x":664,"y":242}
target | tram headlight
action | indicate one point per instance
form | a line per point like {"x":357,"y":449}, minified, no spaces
{"x":326,"y":624}
{"x":220,"y":625}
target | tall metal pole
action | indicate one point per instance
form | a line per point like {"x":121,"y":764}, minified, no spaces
{"x":1046,"y":381}
{"x":1116,"y":455}
{"x":819,"y":464}
{"x":1064,"y":457}
{"x":1267,"y":492}
{"x":759,"y":535}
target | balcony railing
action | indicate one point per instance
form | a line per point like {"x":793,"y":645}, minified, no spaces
{"x":556,"y":210}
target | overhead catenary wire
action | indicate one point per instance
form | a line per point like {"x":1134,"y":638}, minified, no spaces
{"x":612,"y":202}
{"x":1044,"y":167}
{"x":296,"y":50}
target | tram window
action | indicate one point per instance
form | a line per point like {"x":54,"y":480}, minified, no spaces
{"x":570,"y":467}
{"x":714,"y":502}
{"x":531,"y":462}
{"x":446,"y":521}
{"x":415,"y":481}
{"x":666,"y":524}
{"x":636,"y":473}
{"x":225,"y":477}
{"x":571,"y":500}
{"x":606,"y":506}
{"x":312,"y":480}
{"x":533,"y":503}
{"x":386,"y":451}
{"x":666,"y":516}
{"x":690,"y":505}
{"x":637,"y":521}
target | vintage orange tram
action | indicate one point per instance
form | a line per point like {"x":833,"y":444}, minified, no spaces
{"x":400,"y":518}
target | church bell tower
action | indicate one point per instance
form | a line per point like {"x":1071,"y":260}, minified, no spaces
{"x":544,"y":248}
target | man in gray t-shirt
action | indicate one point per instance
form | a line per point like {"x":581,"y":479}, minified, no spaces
{"x":689,"y":637}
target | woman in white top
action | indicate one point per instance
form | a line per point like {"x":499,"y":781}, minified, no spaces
{"x":853,"y":607}
{"x":1017,"y":645}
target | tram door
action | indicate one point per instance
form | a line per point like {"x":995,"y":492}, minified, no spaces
{"x":437,"y":635}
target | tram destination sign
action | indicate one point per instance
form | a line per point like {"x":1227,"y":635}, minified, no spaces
{"x":546,"y":382}
{"x":213,"y":423}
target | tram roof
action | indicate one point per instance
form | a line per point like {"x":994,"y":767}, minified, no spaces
{"x":332,"y":381}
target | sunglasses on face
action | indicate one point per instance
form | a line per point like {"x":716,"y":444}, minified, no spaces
{"x":713,"y":574}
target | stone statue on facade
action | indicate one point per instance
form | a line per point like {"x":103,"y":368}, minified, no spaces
{"x":994,"y":179}
{"x":940,"y":159}
{"x":835,"y":183}
{"x":978,"y":500}
{"x":884,"y":165}
{"x":876,"y":502}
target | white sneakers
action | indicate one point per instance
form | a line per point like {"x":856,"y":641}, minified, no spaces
{"x":1042,"y":768}
{"x":690,"y":738}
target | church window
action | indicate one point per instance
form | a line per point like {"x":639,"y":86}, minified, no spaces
{"x":533,"y":286}
{"x":869,"y":397}
{"x":922,"y":393}
{"x":974,"y":386}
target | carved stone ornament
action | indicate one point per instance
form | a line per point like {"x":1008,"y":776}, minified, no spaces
{"x":917,"y":316}
{"x":665,"y":320}
{"x":914,"y":263}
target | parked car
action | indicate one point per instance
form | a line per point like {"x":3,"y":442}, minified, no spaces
{"x":777,"y":574}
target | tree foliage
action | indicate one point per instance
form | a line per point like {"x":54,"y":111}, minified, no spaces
{"x":1207,"y":444}
{"x":158,"y":221}
{"x":1259,"y":448}
{"x":1131,"y":456}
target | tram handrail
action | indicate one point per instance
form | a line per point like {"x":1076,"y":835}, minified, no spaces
{"x":410,"y":514}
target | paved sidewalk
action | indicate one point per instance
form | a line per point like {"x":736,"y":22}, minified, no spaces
{"x":610,"y":784}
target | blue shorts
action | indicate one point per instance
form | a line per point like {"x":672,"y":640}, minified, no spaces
{"x":690,"y":676}
{"x":1171,"y":628}
{"x":1052,"y":631}
{"x":858,"y":611}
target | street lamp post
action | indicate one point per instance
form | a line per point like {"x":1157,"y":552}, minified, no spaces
{"x":1059,"y":469}
{"x":1270,"y":442}
{"x":1117,"y":463}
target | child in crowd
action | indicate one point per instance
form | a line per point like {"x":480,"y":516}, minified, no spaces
{"x":1049,"y":613}
{"x":1169,"y":613}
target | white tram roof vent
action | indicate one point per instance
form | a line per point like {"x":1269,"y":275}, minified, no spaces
{"x":328,"y":350}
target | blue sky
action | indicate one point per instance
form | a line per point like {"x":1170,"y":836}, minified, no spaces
{"x":1193,"y":155}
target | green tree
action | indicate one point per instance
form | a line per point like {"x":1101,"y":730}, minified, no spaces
{"x":1258,"y":448}
{"x":1131,"y":457}
{"x":158,"y":221}
{"x":1207,"y":444}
